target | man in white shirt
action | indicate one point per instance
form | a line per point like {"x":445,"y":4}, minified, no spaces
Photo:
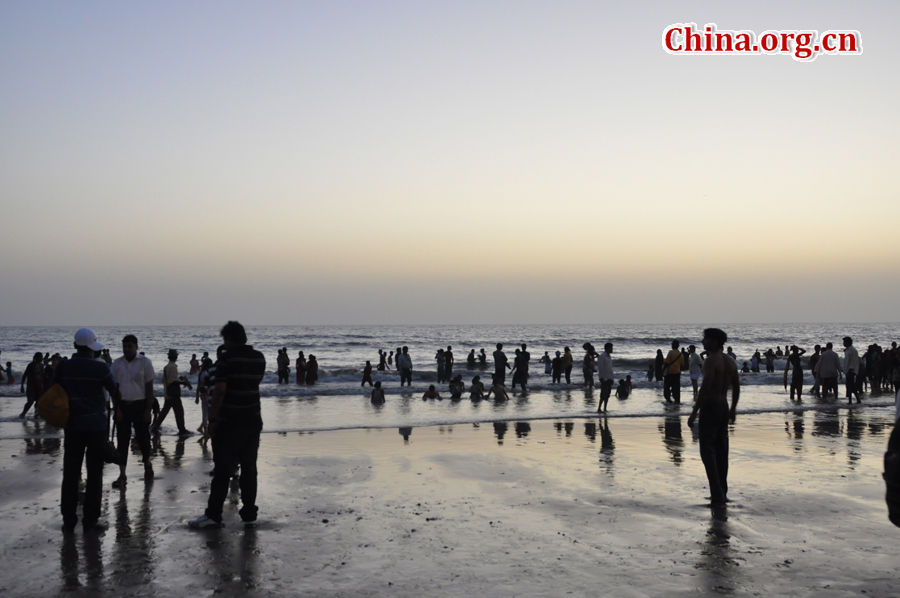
{"x":134,"y":375}
{"x":829,"y":370}
{"x":404,"y":364}
{"x":695,"y":366}
{"x":851,"y":369}
{"x":605,"y":373}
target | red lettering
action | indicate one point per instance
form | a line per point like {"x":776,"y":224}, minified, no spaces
{"x":689,"y":38}
{"x":708,"y":36}
{"x":784,"y":41}
{"x":669,"y":34}
{"x":729,"y":41}
{"x":765,"y":39}
{"x":825,"y":39}
{"x":744,"y":43}
{"x":852,"y":38}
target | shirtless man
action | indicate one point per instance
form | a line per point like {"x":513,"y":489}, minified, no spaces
{"x":793,"y":361}
{"x":719,"y":374}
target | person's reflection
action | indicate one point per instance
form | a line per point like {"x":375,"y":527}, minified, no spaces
{"x":855,"y":428}
{"x":826,"y":423}
{"x":93,"y":559}
{"x":405,"y":432}
{"x":590,"y":430}
{"x":522,"y":429}
{"x":718,"y":553}
{"x":567,"y":426}
{"x":68,"y":561}
{"x":500,"y":429}
{"x":796,"y":429}
{"x":132,"y":560}
{"x":672,"y":439}
{"x":247,"y":559}
{"x":607,"y":446}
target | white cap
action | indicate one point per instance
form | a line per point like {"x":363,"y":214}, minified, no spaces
{"x":86,"y":338}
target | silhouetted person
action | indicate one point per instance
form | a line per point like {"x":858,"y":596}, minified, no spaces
{"x":672,"y":365}
{"x":476,"y":391}
{"x":658,"y":362}
{"x":300,"y":365}
{"x":432,"y":393}
{"x":719,"y":374}
{"x":471,"y":360}
{"x":498,"y":390}
{"x":405,"y":365}
{"x":134,"y":375}
{"x":367,"y":374}
{"x":235,"y":423}
{"x":32,"y":384}
{"x":172,"y":383}
{"x":283,"y":362}
{"x":378,"y":394}
{"x":813,"y":362}
{"x":605,"y":375}
{"x":382,"y":360}
{"x":312,"y":370}
{"x":851,"y":369}
{"x":556,"y":368}
{"x":568,"y":360}
{"x":793,"y":361}
{"x":830,"y":370}
{"x":501,"y":364}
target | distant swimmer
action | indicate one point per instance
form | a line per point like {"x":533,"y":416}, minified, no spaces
{"x":195,"y":365}
{"x":441,"y":365}
{"x":731,"y":355}
{"x":300,"y":364}
{"x":568,"y":360}
{"x":778,"y":352}
{"x":312,"y":370}
{"x":793,"y":361}
{"x":622,"y":390}
{"x":770,"y":361}
{"x":547,"y":362}
{"x":482,"y":358}
{"x":367,"y":374}
{"x":476,"y":391}
{"x":501,"y":364}
{"x":378,"y":394}
{"x":457,"y":387}
{"x":283,"y":362}
{"x":448,"y":363}
{"x":755,"y":360}
{"x":390,"y":359}
{"x":431,"y":393}
{"x":498,"y":390}
{"x":658,"y":362}
{"x":719,"y":374}
{"x":382,"y":360}
{"x":746,"y":368}
{"x":556,"y":368}
{"x":520,"y":370}
{"x":471,"y":360}
{"x":587,"y":365}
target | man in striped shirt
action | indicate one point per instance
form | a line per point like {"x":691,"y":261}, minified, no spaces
{"x":235,"y":423}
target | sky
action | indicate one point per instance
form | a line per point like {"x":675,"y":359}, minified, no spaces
{"x":166,"y":163}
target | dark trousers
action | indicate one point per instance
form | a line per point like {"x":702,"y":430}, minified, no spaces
{"x":830,"y":383}
{"x":557,"y":376}
{"x":851,"y":386}
{"x":713,"y":432}
{"x":406,"y":375}
{"x":605,"y":390}
{"x":133,"y":415}
{"x":672,"y":387}
{"x":176,"y":406}
{"x":283,"y":376}
{"x":236,"y":441}
{"x":366,"y":379}
{"x":77,"y":443}
{"x":568,"y":374}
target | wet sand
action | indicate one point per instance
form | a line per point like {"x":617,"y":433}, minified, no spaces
{"x":577,"y":507}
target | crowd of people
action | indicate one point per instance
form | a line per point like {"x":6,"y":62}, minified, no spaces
{"x":227,"y":388}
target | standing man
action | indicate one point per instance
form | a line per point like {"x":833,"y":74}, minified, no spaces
{"x":404,"y":364}
{"x":283,"y":362}
{"x":172,"y":384}
{"x":235,"y":423}
{"x":134,"y":375}
{"x":84,"y":380}
{"x":501,"y":364}
{"x":672,"y":382}
{"x":567,"y":361}
{"x":719,"y":374}
{"x":851,"y":369}
{"x":605,"y":373}
{"x":34,"y":377}
{"x":829,"y":370}
{"x":448,"y":364}
{"x":813,"y":361}
{"x":588,"y":366}
{"x":695,"y":366}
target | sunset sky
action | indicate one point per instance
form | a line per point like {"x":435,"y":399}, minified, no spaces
{"x":443,"y":162}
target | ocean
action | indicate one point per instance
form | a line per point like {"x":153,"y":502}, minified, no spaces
{"x":338,"y":402}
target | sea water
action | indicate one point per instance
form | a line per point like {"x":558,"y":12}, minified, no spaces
{"x":337,"y":401}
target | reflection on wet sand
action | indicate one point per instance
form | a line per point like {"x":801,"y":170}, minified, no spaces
{"x":133,"y":551}
{"x":500,"y":429}
{"x":70,"y":565}
{"x":522,"y":429}
{"x":567,"y":426}
{"x":719,"y":555}
{"x":672,"y":439}
{"x":405,"y":432}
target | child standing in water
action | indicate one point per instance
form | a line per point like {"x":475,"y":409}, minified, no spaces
{"x":9,"y":376}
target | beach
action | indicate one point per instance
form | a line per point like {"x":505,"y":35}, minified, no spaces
{"x":585,"y":507}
